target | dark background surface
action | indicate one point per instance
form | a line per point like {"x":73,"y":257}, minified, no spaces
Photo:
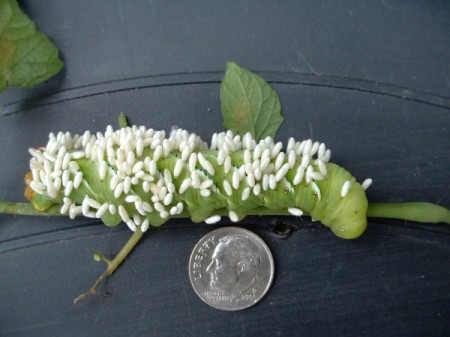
{"x":370,"y":79}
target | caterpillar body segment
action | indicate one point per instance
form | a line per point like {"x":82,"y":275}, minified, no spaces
{"x":139,"y":176}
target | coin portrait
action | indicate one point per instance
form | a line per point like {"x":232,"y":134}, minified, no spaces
{"x":234,"y":265}
{"x":231,"y":268}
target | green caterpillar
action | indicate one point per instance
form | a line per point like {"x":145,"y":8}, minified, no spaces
{"x":139,"y":176}
{"x":143,"y":178}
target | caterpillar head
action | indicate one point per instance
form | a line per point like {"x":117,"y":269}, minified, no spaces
{"x":343,"y":204}
{"x":351,"y":220}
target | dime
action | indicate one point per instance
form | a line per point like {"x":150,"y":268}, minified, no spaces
{"x":231,"y":268}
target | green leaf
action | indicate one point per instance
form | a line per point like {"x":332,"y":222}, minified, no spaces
{"x":249,"y":104}
{"x":27,"y":57}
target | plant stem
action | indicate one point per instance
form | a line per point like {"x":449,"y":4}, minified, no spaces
{"x":123,"y":122}
{"x":113,"y":264}
{"x":413,"y":211}
{"x":24,"y":208}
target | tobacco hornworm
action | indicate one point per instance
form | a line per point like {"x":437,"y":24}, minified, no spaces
{"x":140,"y":176}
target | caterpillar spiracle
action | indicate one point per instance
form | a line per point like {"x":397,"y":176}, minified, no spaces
{"x":143,"y":178}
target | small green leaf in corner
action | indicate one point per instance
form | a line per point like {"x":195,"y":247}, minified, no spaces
{"x":249,"y":104}
{"x":27,"y":57}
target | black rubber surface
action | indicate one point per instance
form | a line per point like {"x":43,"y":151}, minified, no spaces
{"x":371,"y":79}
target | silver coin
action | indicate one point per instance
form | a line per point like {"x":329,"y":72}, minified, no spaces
{"x":231,"y":268}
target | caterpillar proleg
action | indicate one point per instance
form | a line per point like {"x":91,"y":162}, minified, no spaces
{"x":150,"y":178}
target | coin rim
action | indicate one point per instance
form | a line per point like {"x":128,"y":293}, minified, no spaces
{"x":265,"y":247}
